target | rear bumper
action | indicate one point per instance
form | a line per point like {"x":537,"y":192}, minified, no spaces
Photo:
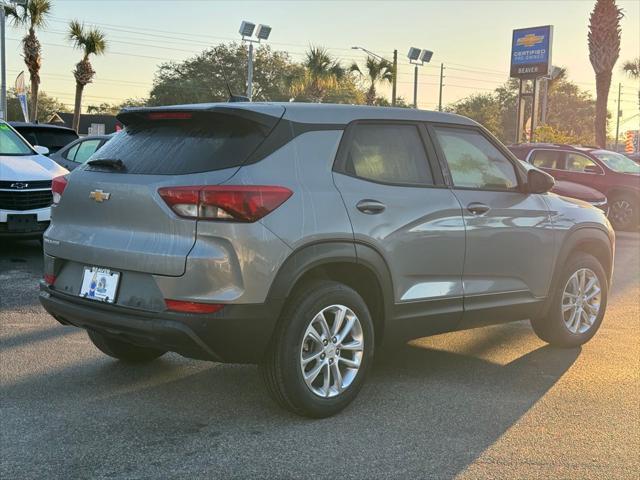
{"x":236,"y":334}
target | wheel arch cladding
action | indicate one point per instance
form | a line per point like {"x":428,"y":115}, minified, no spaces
{"x":359,"y":267}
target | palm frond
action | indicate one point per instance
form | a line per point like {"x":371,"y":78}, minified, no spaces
{"x":92,"y":41}
{"x":38,"y":11}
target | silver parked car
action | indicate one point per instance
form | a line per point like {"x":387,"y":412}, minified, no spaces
{"x":302,"y":237}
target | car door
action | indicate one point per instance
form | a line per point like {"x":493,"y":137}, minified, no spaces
{"x":509,"y":253}
{"x":398,"y":205}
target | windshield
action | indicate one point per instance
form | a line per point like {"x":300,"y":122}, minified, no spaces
{"x":12,"y":144}
{"x":617,"y":162}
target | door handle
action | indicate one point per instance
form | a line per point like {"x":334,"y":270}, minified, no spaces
{"x":478,"y":208}
{"x":370,"y":207}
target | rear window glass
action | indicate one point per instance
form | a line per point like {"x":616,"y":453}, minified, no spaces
{"x":53,"y":139}
{"x":169,"y":147}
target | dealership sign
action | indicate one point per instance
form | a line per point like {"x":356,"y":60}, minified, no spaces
{"x":531,"y":52}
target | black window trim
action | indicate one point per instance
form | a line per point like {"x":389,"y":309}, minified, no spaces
{"x":519,"y":170}
{"x":339,"y":164}
{"x":77,"y":144}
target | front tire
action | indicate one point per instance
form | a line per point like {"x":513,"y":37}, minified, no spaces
{"x":124,"y":351}
{"x":578,"y":306}
{"x":321,"y":351}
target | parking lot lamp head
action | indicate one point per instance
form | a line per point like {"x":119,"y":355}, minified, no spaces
{"x":263,"y":32}
{"x":246,"y":29}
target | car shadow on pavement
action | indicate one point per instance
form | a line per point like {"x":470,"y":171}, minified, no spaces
{"x":40,"y":335}
{"x":424,"y":412}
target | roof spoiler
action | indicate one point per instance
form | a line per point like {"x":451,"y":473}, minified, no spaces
{"x":145,"y":114}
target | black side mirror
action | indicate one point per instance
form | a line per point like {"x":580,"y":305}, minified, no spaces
{"x":539,"y":181}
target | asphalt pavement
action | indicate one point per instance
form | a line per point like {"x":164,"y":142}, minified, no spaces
{"x":487,"y":403}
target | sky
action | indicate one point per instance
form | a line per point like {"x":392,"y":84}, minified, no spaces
{"x":471,"y":37}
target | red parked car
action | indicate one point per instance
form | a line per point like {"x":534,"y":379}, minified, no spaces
{"x":613,"y":174}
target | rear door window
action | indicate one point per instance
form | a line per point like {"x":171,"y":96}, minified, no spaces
{"x":388,"y":154}
{"x":547,"y":159}
{"x":180,"y":147}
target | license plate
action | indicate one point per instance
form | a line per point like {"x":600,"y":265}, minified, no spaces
{"x":99,"y":284}
{"x":22,"y":223}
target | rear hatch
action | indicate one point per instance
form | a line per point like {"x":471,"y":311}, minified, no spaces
{"x":114,"y":217}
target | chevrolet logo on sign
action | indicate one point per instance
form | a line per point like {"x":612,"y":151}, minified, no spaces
{"x":99,"y":196}
{"x":530,"y":40}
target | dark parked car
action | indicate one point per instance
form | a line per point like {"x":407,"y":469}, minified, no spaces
{"x":302,"y":237}
{"x":613,"y":174}
{"x":78,"y":152}
{"x":54,"y":137}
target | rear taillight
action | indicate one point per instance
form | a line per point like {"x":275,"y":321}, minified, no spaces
{"x":49,"y":279}
{"x":192,"y":307}
{"x":235,"y":203}
{"x":58,"y":184}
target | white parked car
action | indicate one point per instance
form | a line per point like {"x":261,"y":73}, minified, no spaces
{"x":25,"y":185}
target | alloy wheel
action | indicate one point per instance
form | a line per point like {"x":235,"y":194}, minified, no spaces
{"x":581,"y":301}
{"x":621,"y":212}
{"x":332,"y":351}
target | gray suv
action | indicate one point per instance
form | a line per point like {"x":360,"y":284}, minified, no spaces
{"x":303,"y":237}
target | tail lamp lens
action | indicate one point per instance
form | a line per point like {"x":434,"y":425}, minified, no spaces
{"x":58,"y":184}
{"x":236,"y":203}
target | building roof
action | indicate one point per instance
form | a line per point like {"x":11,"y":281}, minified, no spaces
{"x":110,"y":122}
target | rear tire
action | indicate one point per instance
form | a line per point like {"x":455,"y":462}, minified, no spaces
{"x":315,"y":368}
{"x":127,"y":352}
{"x":624,"y":212}
{"x":578,"y":306}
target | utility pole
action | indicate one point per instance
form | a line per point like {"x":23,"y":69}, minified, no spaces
{"x":441,"y":84}
{"x":395,"y":78}
{"x":3,"y":98}
{"x":618,"y":112}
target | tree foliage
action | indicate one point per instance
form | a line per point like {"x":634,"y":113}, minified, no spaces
{"x":47,"y":106}
{"x":115,"y":108}
{"x":32,"y":15}
{"x":570,"y":112}
{"x":204,"y":78}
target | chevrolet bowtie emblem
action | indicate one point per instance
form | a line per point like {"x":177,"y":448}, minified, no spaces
{"x":530,"y":40}
{"x":99,"y":196}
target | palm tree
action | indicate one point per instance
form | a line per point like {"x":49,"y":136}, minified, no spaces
{"x":632,"y":68}
{"x":376,"y":71}
{"x":604,"y":50}
{"x":321,"y":73}
{"x":33,"y":15}
{"x":92,"y":42}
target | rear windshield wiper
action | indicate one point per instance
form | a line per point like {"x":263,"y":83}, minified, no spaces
{"x":116,"y":164}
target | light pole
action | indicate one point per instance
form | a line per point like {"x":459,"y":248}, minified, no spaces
{"x":262,"y":33}
{"x":417,"y":58}
{"x":3,"y":61}
{"x":394,"y":72}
